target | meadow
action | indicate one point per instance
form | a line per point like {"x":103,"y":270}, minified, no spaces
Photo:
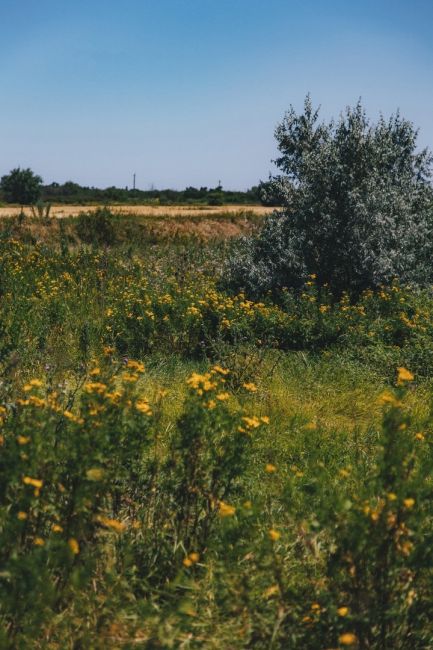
{"x":184,"y":467}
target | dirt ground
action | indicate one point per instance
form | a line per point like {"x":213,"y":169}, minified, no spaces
{"x":60,"y":211}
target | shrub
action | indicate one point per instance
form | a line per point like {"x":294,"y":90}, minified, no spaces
{"x":357,"y":207}
{"x":96,"y":227}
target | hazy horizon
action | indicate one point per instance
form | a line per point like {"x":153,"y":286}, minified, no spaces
{"x":189,"y":92}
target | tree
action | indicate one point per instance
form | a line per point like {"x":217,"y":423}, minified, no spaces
{"x":21,"y":186}
{"x":357,"y":206}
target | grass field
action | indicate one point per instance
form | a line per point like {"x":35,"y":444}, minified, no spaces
{"x":182,"y":467}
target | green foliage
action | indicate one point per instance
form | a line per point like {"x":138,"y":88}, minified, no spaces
{"x":70,"y":192}
{"x":216,"y":491}
{"x":21,"y":186}
{"x":358,"y":207}
{"x":96,"y":227}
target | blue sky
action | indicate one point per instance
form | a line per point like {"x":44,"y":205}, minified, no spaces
{"x":188,"y":92}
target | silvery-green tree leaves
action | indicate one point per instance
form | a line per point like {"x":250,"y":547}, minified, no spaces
{"x":357,"y":207}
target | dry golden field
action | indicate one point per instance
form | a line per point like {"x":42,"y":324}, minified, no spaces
{"x":145,"y":210}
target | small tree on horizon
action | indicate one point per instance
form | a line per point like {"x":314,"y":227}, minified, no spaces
{"x":21,"y":186}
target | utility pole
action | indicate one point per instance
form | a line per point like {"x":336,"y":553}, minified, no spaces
{"x":133,"y":182}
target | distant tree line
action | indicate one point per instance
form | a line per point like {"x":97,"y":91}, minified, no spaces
{"x":70,"y":192}
{"x":22,"y":186}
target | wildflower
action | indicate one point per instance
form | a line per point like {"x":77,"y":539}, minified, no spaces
{"x":389,"y":398}
{"x":95,"y":387}
{"x":130,"y":378}
{"x":56,"y":528}
{"x":142,"y":405}
{"x":404,"y":375}
{"x":221,"y":371}
{"x":270,"y":469}
{"x":348,"y":638}
{"x":95,"y":474}
{"x":223,"y":396}
{"x":406,"y":548}
{"x":225,"y":510}
{"x":274,"y":535}
{"x":419,"y":436}
{"x":95,"y":372}
{"x":35,"y":482}
{"x":135,"y":365}
{"x":271,"y":591}
{"x":211,"y":404}
{"x":38,"y":541}
{"x":265,"y":419}
{"x":391,"y":496}
{"x":191,"y":559}
{"x":249,"y":386}
{"x":23,"y":440}
{"x":113,"y":524}
{"x":74,"y":547}
{"x":33,"y":383}
{"x":342,"y":611}
{"x":22,"y":516}
{"x":315,"y":607}
{"x":251,"y":422}
{"x":409,"y":503}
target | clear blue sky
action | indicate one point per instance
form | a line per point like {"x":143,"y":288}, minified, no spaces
{"x":188,"y":92}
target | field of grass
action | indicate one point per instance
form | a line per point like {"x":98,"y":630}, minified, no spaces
{"x":181,"y":467}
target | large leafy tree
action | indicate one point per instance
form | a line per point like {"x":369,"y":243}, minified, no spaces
{"x":21,"y":186}
{"x":357,"y":206}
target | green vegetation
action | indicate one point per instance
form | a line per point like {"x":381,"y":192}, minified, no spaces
{"x":357,"y":207}
{"x":74,"y":193}
{"x":21,"y":186}
{"x":184,"y":467}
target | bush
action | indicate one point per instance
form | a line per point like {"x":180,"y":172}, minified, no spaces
{"x":357,"y":207}
{"x":96,"y":227}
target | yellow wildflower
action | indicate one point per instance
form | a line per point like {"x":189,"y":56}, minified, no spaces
{"x":348,"y":638}
{"x":251,"y":422}
{"x":23,"y":440}
{"x":95,"y":474}
{"x":225,"y":510}
{"x":270,"y":469}
{"x":142,"y":405}
{"x":35,"y":482}
{"x":271,"y":591}
{"x":38,"y":541}
{"x":95,"y":387}
{"x":56,"y":528}
{"x":74,"y":547}
{"x":222,"y":396}
{"x":221,"y":371}
{"x":404,"y":375}
{"x":191,"y":559}
{"x":113,"y":524}
{"x":252,"y":388}
{"x":22,"y":516}
{"x":409,"y":503}
{"x":274,"y":535}
{"x":342,"y":611}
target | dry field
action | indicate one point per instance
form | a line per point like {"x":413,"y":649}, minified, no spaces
{"x":146,"y":210}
